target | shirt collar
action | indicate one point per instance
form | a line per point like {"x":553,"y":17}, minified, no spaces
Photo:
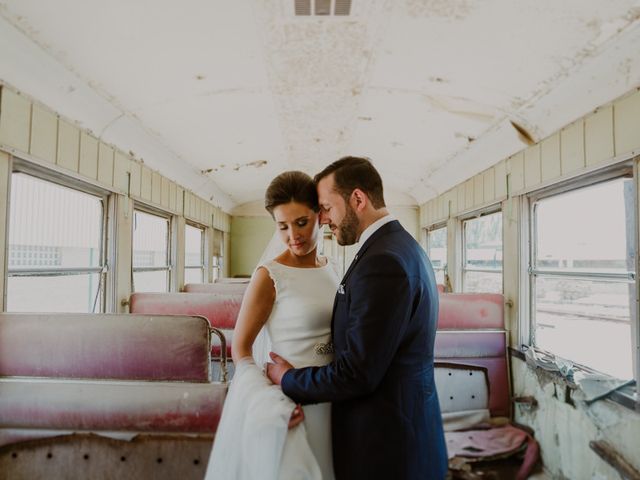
{"x":371,"y":229}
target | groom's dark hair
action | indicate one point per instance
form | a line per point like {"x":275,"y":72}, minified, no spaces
{"x":350,"y":173}
{"x":292,"y":186}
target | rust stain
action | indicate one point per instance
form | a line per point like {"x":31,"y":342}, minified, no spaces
{"x":523,"y":134}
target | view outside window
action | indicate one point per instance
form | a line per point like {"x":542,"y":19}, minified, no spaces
{"x":437,"y":252}
{"x":55,"y":261}
{"x":150,"y":252}
{"x":482,"y":265}
{"x":583,"y":276}
{"x":193,"y":254}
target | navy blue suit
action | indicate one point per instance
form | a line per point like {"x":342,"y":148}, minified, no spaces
{"x":386,"y":420}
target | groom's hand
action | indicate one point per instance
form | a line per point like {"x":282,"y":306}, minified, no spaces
{"x":275,"y":371}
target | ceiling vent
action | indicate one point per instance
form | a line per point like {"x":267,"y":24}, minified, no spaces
{"x":322,"y":7}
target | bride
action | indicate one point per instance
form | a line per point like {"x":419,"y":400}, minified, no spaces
{"x":287,"y":308}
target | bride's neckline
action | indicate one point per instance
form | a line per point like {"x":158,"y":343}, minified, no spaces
{"x":303,"y":268}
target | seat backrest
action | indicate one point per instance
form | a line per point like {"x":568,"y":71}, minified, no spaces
{"x":221,"y":309}
{"x":223,"y":288}
{"x":471,"y":332}
{"x":471,"y":311}
{"x":105,"y":346}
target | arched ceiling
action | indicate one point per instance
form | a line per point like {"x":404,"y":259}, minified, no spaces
{"x":223,"y":95}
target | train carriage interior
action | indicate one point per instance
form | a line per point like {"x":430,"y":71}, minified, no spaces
{"x":137,"y":139}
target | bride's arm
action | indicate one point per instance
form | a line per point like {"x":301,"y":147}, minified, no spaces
{"x":255,"y":310}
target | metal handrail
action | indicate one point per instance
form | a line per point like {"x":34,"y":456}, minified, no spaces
{"x":626,"y":276}
{"x":223,"y":353}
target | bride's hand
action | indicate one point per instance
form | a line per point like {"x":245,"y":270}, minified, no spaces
{"x":297,"y":416}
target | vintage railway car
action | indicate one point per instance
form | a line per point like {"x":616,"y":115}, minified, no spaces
{"x":136,"y":143}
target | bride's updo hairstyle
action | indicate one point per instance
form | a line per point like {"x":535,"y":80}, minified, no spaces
{"x":293,"y":186}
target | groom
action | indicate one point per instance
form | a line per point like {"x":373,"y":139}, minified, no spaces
{"x":386,"y":419}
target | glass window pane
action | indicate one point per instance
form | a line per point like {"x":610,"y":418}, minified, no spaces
{"x":156,"y":281}
{"x":482,"y":282}
{"x":193,"y":275}
{"x":150,"y":240}
{"x":51,"y":226}
{"x":439,"y":276}
{"x":193,"y":238}
{"x":600,"y":235}
{"x":63,"y":293}
{"x":483,"y":242}
{"x":588,"y":322}
{"x":437,"y":251}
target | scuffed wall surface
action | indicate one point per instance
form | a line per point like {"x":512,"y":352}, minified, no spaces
{"x":564,"y":431}
{"x":249,"y":238}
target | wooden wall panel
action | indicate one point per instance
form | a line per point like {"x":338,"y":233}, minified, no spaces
{"x":145,"y":183}
{"x":501,"y":179}
{"x":515,"y":168}
{"x":180,"y":200}
{"x":136,"y":179}
{"x":468,"y":194}
{"x":156,"y":188}
{"x":15,"y":120}
{"x":489,"y":187}
{"x":121,"y":172}
{"x":68,"y":155}
{"x":572,"y":148}
{"x":88,"y":156}
{"x":532,"y":169}
{"x":478,"y":190}
{"x":172,"y":196}
{"x":550,"y":158}
{"x":164,"y":192}
{"x":626,"y":113}
{"x":598,"y":136}
{"x":105,"y":164}
{"x":44,"y":134}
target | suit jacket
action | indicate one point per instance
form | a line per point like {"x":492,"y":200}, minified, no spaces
{"x":386,"y":420}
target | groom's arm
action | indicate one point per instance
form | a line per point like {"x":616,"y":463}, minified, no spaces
{"x":380,"y":309}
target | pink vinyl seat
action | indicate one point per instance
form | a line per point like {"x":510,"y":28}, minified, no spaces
{"x":472,"y":377}
{"x":218,"y":288}
{"x":66,"y":373}
{"x":220,"y":309}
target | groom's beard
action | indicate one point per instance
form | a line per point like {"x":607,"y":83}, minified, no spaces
{"x":347,"y":233}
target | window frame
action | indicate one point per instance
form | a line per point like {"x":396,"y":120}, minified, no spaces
{"x":628,"y":169}
{"x":169,"y":266}
{"x":24,"y":167}
{"x":430,"y":229}
{"x":490,"y":210}
{"x":203,"y":238}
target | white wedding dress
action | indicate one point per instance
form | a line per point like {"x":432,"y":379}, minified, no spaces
{"x":252,"y":440}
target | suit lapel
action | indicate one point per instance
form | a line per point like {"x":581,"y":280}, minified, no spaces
{"x":386,"y":228}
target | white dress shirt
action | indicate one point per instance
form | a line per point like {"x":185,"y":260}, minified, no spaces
{"x":371,"y":229}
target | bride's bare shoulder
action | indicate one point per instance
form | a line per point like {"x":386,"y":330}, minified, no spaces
{"x":261,"y":284}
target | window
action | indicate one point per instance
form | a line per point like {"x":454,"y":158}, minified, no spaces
{"x":150,"y":252}
{"x":193,"y":254}
{"x":482,"y":253}
{"x":437,"y":252}
{"x":582,"y":275}
{"x":56,"y":260}
{"x":217,"y":255}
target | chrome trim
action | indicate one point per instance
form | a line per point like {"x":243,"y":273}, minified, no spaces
{"x":223,"y":353}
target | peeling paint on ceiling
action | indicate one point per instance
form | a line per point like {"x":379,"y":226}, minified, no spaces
{"x":433,"y":91}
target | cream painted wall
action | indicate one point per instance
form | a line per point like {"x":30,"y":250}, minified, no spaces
{"x":249,"y":238}
{"x":409,"y":218}
{"x":609,"y":135}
